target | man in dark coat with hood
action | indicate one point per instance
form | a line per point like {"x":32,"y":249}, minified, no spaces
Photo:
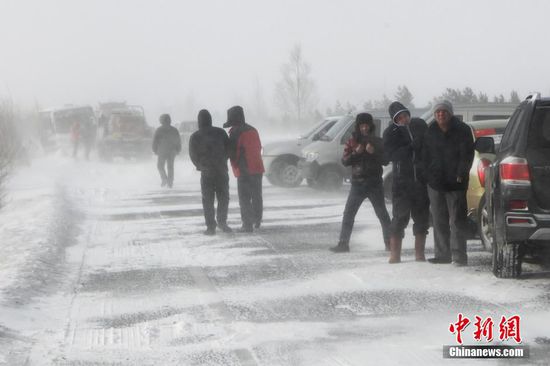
{"x":166,"y":145}
{"x":245,"y":153}
{"x":402,"y":144}
{"x":448,"y":153}
{"x":208,"y":148}
{"x":364,"y":152}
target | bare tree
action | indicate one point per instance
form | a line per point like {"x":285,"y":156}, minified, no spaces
{"x":295,"y":93}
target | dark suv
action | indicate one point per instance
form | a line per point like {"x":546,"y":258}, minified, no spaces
{"x":517,"y":187}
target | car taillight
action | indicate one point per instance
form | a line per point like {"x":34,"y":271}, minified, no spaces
{"x":515,"y":171}
{"x":517,"y":205}
{"x":485,"y":132}
{"x":481,"y":165}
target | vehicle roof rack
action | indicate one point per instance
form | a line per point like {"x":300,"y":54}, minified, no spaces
{"x":533,"y":96}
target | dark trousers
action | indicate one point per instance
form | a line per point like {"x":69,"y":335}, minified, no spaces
{"x":166,"y":160}
{"x":410,"y":198}
{"x":250,"y":198}
{"x":215,"y":186}
{"x":449,"y":215}
{"x":357,"y":194}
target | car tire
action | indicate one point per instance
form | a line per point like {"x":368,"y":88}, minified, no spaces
{"x":312,"y":183}
{"x":484,"y":230}
{"x":286,"y":174}
{"x":507,"y":257}
{"x":330,"y":179}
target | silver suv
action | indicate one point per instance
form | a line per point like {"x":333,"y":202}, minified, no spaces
{"x":281,"y":157}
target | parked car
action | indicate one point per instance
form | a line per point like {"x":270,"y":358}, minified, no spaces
{"x":477,"y":211}
{"x":126,"y":135}
{"x":281,"y":157}
{"x":464,"y":112}
{"x":517,"y":187}
{"x":321,"y":161}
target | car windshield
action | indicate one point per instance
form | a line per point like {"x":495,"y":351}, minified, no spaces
{"x":335,"y":130}
{"x":315,"y":128}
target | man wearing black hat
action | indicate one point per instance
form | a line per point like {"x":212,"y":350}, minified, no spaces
{"x":166,"y":145}
{"x":208,"y":150}
{"x":245,"y":154}
{"x":448,"y":153}
{"x":402,"y":144}
{"x":365,"y":154}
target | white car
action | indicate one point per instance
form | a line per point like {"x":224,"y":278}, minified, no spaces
{"x":281,"y":157}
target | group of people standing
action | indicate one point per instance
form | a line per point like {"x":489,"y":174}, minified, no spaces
{"x":209,"y":149}
{"x":431,"y":165}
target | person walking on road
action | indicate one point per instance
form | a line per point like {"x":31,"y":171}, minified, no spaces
{"x":448,"y":153}
{"x":364,"y":152}
{"x":246,"y":161}
{"x":166,"y":145}
{"x":208,"y":150}
{"x":403,"y":145}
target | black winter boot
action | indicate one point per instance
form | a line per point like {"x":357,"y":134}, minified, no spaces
{"x":342,"y":247}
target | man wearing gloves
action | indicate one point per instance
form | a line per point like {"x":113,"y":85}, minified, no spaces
{"x":208,"y":148}
{"x":448,"y":153}
{"x":364,"y":152}
{"x":402,"y":144}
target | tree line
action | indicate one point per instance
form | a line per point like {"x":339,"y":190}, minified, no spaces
{"x":297,"y":100}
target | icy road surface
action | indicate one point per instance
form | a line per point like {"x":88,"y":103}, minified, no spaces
{"x":100,"y":266}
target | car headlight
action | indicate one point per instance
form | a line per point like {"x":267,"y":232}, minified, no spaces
{"x":311,"y":156}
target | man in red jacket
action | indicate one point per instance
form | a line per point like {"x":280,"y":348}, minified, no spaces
{"x":246,"y":161}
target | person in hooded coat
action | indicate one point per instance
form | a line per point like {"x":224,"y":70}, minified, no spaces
{"x":208,"y":150}
{"x":245,"y":154}
{"x":403,"y":144}
{"x":166,"y":145}
{"x":364,"y":152}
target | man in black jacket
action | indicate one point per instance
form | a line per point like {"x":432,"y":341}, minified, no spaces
{"x":208,"y":149}
{"x":166,"y":145}
{"x":448,"y":153}
{"x":402,"y":144}
{"x":364,"y":152}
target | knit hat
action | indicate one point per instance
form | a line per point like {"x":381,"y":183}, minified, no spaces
{"x":235,"y":116}
{"x":204,"y":118}
{"x":165,"y":119}
{"x":396,"y":108}
{"x":444,"y":105}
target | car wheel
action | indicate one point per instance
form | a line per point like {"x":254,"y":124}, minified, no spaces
{"x":507,"y":258}
{"x":330,"y":179}
{"x":483,"y":227}
{"x":312,"y":183}
{"x":287,"y":174}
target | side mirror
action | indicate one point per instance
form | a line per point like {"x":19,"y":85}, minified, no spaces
{"x":485,"y":145}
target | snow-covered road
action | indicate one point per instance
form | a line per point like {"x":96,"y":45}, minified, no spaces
{"x":100,"y":266}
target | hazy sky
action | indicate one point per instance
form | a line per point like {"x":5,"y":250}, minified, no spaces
{"x":166,"y":54}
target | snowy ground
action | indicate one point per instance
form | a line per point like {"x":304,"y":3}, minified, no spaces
{"x":100,"y":266}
